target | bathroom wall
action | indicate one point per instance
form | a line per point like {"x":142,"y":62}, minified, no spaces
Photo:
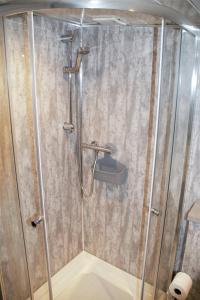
{"x":191,"y":259}
{"x":62,"y":197}
{"x":120,"y":86}
{"x":189,"y":245}
{"x":12,"y":258}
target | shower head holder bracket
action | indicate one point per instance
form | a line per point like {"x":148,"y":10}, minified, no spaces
{"x":81,"y":51}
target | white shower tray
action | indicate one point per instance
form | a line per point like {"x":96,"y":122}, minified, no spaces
{"x":87,"y":277}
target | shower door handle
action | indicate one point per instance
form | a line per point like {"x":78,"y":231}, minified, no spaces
{"x":155,"y":211}
{"x":37,"y":221}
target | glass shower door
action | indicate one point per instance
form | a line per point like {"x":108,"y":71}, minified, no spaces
{"x":167,"y":99}
{"x":23,"y":248}
{"x":170,"y":260}
{"x":174,"y":134}
{"x":14,"y":276}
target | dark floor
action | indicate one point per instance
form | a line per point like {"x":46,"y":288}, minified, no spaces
{"x":1,"y":297}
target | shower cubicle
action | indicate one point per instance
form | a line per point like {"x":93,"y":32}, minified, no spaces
{"x":99,"y":126}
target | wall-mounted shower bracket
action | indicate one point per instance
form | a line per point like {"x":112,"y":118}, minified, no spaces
{"x":81,"y":51}
{"x":68,"y":39}
{"x":69,"y":127}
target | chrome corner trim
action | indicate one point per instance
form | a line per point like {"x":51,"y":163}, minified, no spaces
{"x":30,"y":22}
{"x":79,"y":132}
{"x":155,"y":148}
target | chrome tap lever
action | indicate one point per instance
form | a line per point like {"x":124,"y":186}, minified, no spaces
{"x":94,"y":146}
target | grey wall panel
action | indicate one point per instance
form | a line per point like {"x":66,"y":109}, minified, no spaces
{"x":12,"y":251}
{"x":120,"y":89}
{"x":62,"y":189}
{"x":119,"y":108}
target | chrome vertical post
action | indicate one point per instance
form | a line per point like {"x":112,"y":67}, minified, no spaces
{"x":154,"y":159}
{"x":80,"y":129}
{"x":70,"y":84}
{"x":68,"y":125}
{"x":38,"y":146}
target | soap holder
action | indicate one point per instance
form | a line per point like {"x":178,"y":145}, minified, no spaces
{"x":110,"y":170}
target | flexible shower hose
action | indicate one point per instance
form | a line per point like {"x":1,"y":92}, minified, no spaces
{"x":85,"y":193}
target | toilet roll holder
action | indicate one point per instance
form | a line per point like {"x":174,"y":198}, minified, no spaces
{"x":179,"y":287}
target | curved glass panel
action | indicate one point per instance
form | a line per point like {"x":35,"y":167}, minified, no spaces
{"x":83,"y":91}
{"x":176,"y":190}
{"x":14,"y":277}
{"x":167,"y":112}
{"x":20,"y":90}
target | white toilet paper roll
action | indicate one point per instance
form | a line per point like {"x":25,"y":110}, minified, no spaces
{"x":180,"y":286}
